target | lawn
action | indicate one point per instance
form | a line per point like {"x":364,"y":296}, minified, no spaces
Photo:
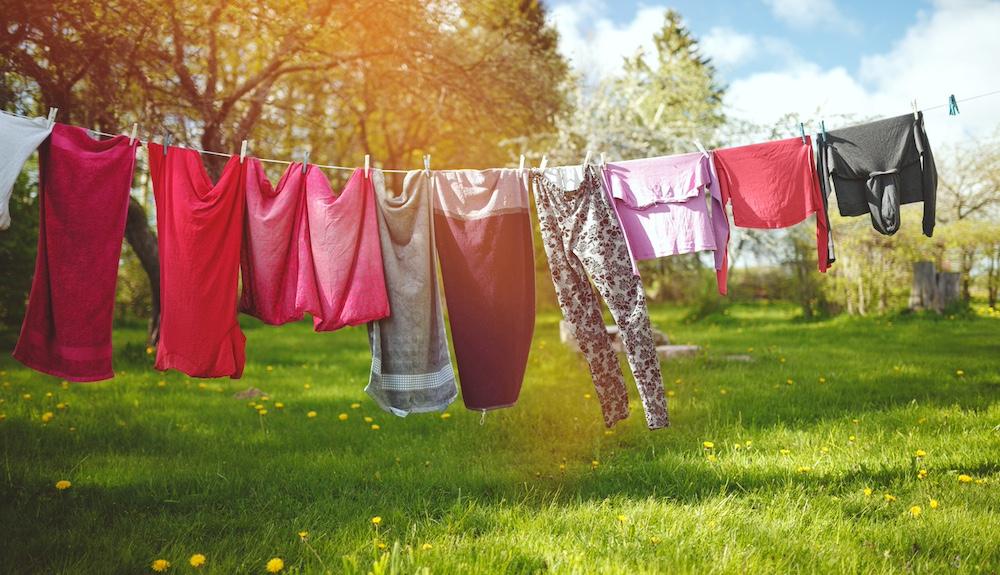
{"x":812,"y":469}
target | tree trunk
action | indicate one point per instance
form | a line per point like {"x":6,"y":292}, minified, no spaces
{"x":948,"y":290}
{"x":143,"y":242}
{"x":924,"y":286}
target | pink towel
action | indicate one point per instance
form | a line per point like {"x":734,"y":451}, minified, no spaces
{"x":308,"y":250}
{"x":200,"y":226}
{"x":84,"y":199}
{"x":482,"y":230}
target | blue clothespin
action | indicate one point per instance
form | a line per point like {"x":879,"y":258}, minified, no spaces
{"x":802,"y":132}
{"x":305,"y":161}
{"x":822,"y":129}
{"x":952,"y":105}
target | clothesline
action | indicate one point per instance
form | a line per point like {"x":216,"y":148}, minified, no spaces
{"x":349,"y":168}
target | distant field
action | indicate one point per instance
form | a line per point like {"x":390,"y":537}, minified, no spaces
{"x":812,"y":468}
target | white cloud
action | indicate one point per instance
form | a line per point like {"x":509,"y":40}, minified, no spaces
{"x":729,"y":48}
{"x":596,"y":45}
{"x":956,"y":49}
{"x":809,"y":13}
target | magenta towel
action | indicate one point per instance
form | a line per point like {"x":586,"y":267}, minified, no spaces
{"x":482,"y":231}
{"x":84,"y":192}
{"x":309,"y":250}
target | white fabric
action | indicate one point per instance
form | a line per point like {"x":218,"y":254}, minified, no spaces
{"x":18,"y":139}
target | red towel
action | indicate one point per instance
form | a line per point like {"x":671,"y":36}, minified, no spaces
{"x":84,"y":192}
{"x":306,"y":249}
{"x":482,"y":230}
{"x":774,"y":185}
{"x":200,"y":226}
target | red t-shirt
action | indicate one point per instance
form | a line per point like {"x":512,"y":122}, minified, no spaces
{"x":200,"y":227}
{"x":774,"y":185}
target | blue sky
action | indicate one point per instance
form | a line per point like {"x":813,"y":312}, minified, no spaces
{"x":819,"y":58}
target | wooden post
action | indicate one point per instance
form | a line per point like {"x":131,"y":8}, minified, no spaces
{"x":924,"y":286}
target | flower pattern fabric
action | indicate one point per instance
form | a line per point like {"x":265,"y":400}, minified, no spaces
{"x":582,"y":236}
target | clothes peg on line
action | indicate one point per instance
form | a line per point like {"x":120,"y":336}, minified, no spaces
{"x":135,"y":130}
{"x":243,"y":151}
{"x":427,"y":163}
{"x":822,"y":129}
{"x":52,"y":116}
{"x":545,"y":162}
{"x":520,"y":166}
{"x":305,"y":161}
{"x":697,"y":144}
{"x":167,"y":138}
{"x":952,"y":105}
{"x":802,"y":132}
{"x":586,"y":159}
{"x":915,"y":109}
{"x":367,"y":163}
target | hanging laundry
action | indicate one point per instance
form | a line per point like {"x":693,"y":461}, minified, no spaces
{"x":84,"y":195}
{"x":308,"y":250}
{"x":875,"y":168}
{"x":200,"y":225}
{"x":18,"y":139}
{"x":581,"y":236}
{"x":411,"y":366}
{"x":482,"y":230}
{"x":661,"y":203}
{"x":774,"y":185}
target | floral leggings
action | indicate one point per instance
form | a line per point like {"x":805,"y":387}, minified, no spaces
{"x":582,"y":236}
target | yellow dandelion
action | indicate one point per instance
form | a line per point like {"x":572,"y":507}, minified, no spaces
{"x":587,"y":396}
{"x":270,"y":368}
{"x":964,"y":478}
{"x":824,"y":449}
{"x":868,"y":491}
{"x":47,"y":416}
{"x":712,"y":458}
{"x":622,"y":519}
{"x":161,"y":383}
{"x":202,"y":385}
{"x":279,"y":405}
{"x":197,"y":560}
{"x":737,"y":447}
{"x":265,"y":398}
{"x":26,"y":397}
{"x":376,"y":521}
{"x":562,"y":467}
{"x":678,"y":381}
{"x":160,"y":565}
{"x":63,"y":485}
{"x":920,"y":453}
{"x":790,"y":381}
{"x":3,"y":416}
{"x":303,"y":535}
{"x":342,"y":417}
{"x":855,"y":421}
{"x":311,"y":414}
{"x":671,"y":393}
{"x":785,"y":451}
{"x":258,"y":406}
{"x":594,"y":464}
{"x":609,"y":432}
{"x":426,"y":547}
{"x":306,"y":386}
{"x":822,"y":379}
{"x":654,"y":539}
{"x":782,"y":360}
{"x":889,"y":498}
{"x":275,"y":565}
{"x":748,"y":444}
{"x":149,"y":350}
{"x":262,"y":411}
{"x":915,"y":511}
{"x":64,"y":385}
{"x":355,"y":406}
{"x":959,"y":372}
{"x":376,"y":427}
{"x":60,"y":406}
{"x":934,"y":504}
{"x":48,"y":394}
{"x":723,"y":391}
{"x":368,"y":419}
{"x":922,"y":474}
{"x":708,"y":445}
{"x":852,"y":439}
{"x":445,"y":415}
{"x":804,"y":469}
{"x":380,"y":545}
{"x":981,"y":482}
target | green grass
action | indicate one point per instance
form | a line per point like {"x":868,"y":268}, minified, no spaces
{"x":166,"y":472}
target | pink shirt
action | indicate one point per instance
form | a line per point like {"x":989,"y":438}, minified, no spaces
{"x":663,"y":208}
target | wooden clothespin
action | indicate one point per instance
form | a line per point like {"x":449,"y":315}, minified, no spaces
{"x":545,"y":162}
{"x":243,"y":151}
{"x":915,"y":109}
{"x":52,"y":116}
{"x":368,"y":160}
{"x":135,"y":130}
{"x":305,"y":161}
{"x":427,"y":163}
{"x":520,"y":166}
{"x":604,"y":163}
{"x":586,"y":159}
{"x":167,"y":138}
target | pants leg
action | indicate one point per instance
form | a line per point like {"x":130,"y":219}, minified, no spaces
{"x":580,"y":235}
